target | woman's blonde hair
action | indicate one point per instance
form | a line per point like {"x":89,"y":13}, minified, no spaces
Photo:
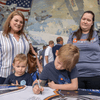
{"x":68,"y":55}
{"x":7,"y":28}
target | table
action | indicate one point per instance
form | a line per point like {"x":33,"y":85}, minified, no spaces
{"x":27,"y":94}
{"x":50,"y":94}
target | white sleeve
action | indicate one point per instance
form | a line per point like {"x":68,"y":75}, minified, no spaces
{"x":47,"y":51}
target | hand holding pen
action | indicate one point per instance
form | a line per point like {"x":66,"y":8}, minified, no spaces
{"x":37,"y":89}
{"x":38,"y":82}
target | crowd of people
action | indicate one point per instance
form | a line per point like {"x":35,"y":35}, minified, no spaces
{"x":73,"y":65}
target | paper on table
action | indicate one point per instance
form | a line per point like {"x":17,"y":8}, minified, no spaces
{"x":27,"y":94}
{"x":46,"y":93}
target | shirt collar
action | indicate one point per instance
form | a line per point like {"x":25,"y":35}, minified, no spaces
{"x":13,"y":35}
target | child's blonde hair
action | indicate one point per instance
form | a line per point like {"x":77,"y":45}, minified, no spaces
{"x":20,"y":57}
{"x":68,"y":55}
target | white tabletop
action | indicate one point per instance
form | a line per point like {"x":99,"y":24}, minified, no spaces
{"x":27,"y":94}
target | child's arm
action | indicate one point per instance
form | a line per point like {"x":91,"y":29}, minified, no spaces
{"x":40,"y":68}
{"x":36,"y":88}
{"x":33,"y":51}
{"x":71,"y":86}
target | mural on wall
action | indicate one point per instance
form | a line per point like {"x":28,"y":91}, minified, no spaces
{"x":48,"y":19}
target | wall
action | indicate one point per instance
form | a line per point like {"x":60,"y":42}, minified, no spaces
{"x":52,"y":18}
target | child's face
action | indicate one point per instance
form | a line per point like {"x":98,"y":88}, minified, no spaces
{"x":19,"y":68}
{"x":58,"y":64}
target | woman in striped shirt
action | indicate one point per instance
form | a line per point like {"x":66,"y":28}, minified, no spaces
{"x":12,"y":42}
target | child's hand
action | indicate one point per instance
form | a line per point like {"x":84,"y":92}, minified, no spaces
{"x":16,"y":83}
{"x":51,"y":84}
{"x":37,"y":90}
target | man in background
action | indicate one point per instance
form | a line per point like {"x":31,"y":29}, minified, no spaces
{"x":59,"y":44}
{"x":48,"y":53}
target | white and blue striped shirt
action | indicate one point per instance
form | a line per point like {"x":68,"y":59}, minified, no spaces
{"x":9,"y":48}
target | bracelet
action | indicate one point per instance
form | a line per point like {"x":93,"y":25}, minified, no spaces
{"x":34,"y":85}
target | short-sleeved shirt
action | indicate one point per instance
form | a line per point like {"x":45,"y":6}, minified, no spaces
{"x":58,"y":76}
{"x":89,"y":60}
{"x":48,"y":52}
{"x":25,"y":79}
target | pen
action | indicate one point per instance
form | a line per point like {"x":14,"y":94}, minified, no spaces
{"x":38,"y":82}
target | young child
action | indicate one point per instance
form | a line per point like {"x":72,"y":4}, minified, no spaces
{"x":62,"y":72}
{"x":19,"y":77}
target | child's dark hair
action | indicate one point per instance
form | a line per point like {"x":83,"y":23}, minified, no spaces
{"x":68,"y":55}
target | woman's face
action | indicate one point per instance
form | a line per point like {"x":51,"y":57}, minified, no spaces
{"x":16,"y":24}
{"x":86,"y":22}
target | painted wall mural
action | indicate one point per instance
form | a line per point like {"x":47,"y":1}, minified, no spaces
{"x":48,"y":19}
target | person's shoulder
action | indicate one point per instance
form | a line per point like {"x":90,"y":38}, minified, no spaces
{"x":49,"y":65}
{"x":59,"y":45}
{"x":95,"y":32}
{"x":48,"y":48}
{"x":74,"y":69}
{"x":53,"y":47}
{"x":11,"y":75}
{"x":71,"y":34}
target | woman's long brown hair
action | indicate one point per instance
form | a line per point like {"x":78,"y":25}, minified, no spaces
{"x":78,"y":33}
{"x":7,"y":28}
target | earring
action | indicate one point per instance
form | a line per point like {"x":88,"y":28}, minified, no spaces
{"x":9,"y":26}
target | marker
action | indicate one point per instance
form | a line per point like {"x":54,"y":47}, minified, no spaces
{"x":38,"y":82}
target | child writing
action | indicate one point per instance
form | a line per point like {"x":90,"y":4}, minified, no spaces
{"x":19,"y":77}
{"x":62,"y":72}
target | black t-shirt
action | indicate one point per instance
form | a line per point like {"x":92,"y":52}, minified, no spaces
{"x":25,"y":79}
{"x":58,"y":76}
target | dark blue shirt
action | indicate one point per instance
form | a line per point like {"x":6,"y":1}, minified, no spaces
{"x":58,"y":76}
{"x":25,"y":79}
{"x":56,"y":47}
